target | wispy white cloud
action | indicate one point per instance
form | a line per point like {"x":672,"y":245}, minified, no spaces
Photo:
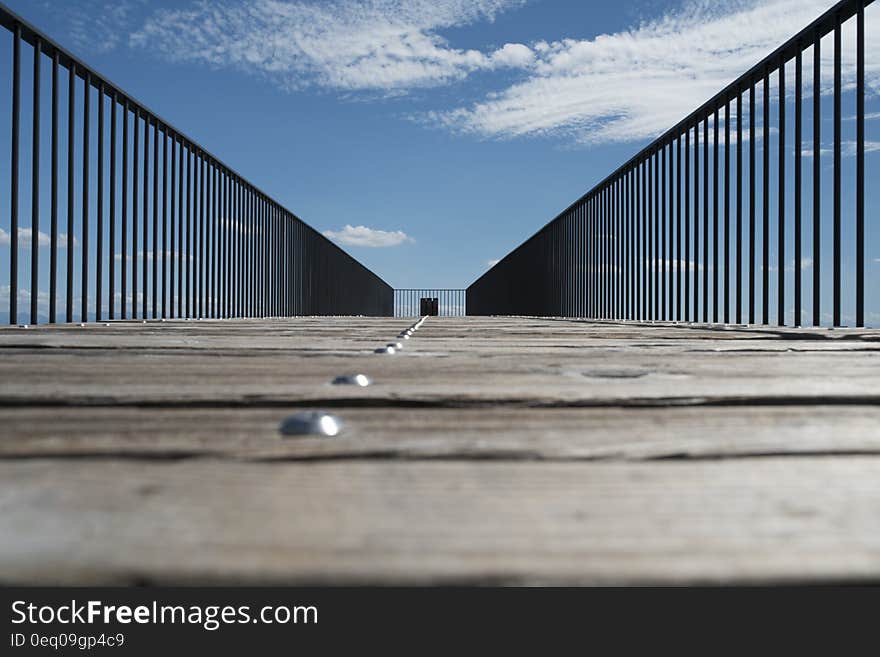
{"x":847,"y":149}
{"x":636,"y":83}
{"x":384,"y":45}
{"x":169,"y":255}
{"x":363,"y":236}
{"x":97,"y":25}
{"x":24,"y":239}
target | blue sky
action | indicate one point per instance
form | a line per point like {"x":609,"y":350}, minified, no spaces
{"x":442,"y":132}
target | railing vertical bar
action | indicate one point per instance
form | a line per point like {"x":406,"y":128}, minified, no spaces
{"x":180,"y":227}
{"x":860,"y":164}
{"x":215,"y":244}
{"x":53,"y":247}
{"x":662,"y":257}
{"x":13,"y":177}
{"x":111,"y":262}
{"x":697,"y":218}
{"x":621,"y":248}
{"x":71,"y":178}
{"x":678,"y":263}
{"x":99,"y":266}
{"x":636,"y":214}
{"x":165,"y":288}
{"x":173,"y":256}
{"x":752,"y":217}
{"x":716,"y":237}
{"x":145,"y":249}
{"x":706,"y":219}
{"x":780,"y":239}
{"x":655,"y":256}
{"x":250,"y":282}
{"x":242,"y":250}
{"x":202,"y":169}
{"x":646,"y":238}
{"x":687,"y":224}
{"x":634,"y":236}
{"x":208,"y":291}
{"x":798,"y":147}
{"x":135,"y":160}
{"x":670,"y":250}
{"x":664,"y":315}
{"x":231,"y":245}
{"x":84,"y":259}
{"x":222,"y":242}
{"x":123,"y":250}
{"x":208,"y":307}
{"x":727,"y":212}
{"x":739,"y":208}
{"x":817,"y":179}
{"x":649,"y":233}
{"x":229,"y":267}
{"x":196,"y":233}
{"x":609,"y":250}
{"x":249,"y":259}
{"x":235,"y":244}
{"x":637,"y":237}
{"x":837,"y":171}
{"x":155,"y":268}
{"x":765,"y":190}
{"x":190,"y":241}
{"x":35,"y":187}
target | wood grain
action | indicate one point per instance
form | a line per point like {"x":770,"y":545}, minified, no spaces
{"x":490,"y":450}
{"x":746,"y":520}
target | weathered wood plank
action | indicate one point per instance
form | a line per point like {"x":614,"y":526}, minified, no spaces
{"x":451,"y":361}
{"x":250,"y":434}
{"x":767,"y":520}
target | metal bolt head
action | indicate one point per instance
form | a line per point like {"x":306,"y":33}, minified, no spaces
{"x":385,"y":350}
{"x":360,"y":380}
{"x":82,"y":324}
{"x":25,"y":326}
{"x":404,"y":336}
{"x":311,"y":423}
{"x":396,"y":345}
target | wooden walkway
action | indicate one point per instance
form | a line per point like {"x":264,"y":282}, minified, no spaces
{"x":490,"y":450}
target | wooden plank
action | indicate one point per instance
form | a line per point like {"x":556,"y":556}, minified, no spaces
{"x":250,"y":434}
{"x":452,"y":361}
{"x":764,"y":520}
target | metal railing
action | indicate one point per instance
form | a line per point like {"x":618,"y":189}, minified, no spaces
{"x":452,"y":302}
{"x":664,"y":237}
{"x":160,"y":227}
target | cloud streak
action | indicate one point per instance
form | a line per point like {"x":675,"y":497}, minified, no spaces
{"x":370,"y":237}
{"x":43,"y":239}
{"x":377,"y":45}
{"x":637,"y":83}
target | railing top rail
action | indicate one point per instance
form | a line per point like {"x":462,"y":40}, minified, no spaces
{"x":825,"y":23}
{"x":30,"y":34}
